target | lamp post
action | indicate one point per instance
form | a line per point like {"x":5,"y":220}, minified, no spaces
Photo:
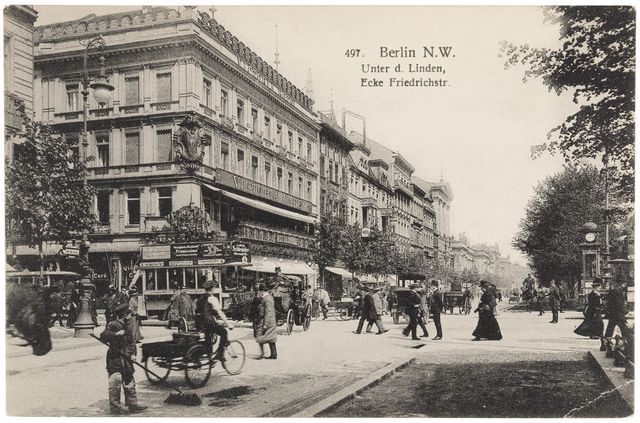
{"x":84,"y":324}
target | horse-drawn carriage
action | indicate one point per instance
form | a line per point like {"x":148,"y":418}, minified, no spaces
{"x":457,"y":297}
{"x":291,"y":308}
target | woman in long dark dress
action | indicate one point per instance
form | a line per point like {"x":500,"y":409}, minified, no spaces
{"x":592,"y":325}
{"x":487,"y":324}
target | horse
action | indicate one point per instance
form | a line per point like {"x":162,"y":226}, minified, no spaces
{"x":29,"y":314}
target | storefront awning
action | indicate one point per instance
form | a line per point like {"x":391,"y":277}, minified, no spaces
{"x":264,"y":206}
{"x":339,"y":271}
{"x":288,"y":267}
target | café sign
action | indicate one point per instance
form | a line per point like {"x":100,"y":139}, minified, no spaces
{"x":246,"y":185}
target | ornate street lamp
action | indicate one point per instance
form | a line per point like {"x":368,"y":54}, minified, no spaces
{"x":102,"y":93}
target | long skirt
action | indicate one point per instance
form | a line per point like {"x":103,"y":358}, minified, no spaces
{"x":591,"y":326}
{"x":487,"y":327}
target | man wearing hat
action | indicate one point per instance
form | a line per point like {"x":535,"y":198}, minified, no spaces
{"x":118,"y":335}
{"x":437,"y":305}
{"x":278,"y":278}
{"x":208,"y":309}
{"x":322,"y":297}
{"x":413,"y":310}
{"x":616,"y":310}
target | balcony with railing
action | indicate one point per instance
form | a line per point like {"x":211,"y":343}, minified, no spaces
{"x":257,"y":232}
{"x":11,"y":117}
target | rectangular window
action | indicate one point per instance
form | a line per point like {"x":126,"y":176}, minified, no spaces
{"x":290,"y":183}
{"x":103,"y":207}
{"x":335,"y":172}
{"x":131,"y":90}
{"x":267,"y":173}
{"x":300,"y":147}
{"x":102,"y":145}
{"x":132,"y":147}
{"x":254,"y":168}
{"x":224,"y":103}
{"x":290,"y":137}
{"x":254,"y":120}
{"x":224,"y":155}
{"x":308,"y":190}
{"x":240,"y":111}
{"x":299,"y":187}
{"x":133,"y":207}
{"x":163,"y":87}
{"x":165,"y":201}
{"x":308,"y":152}
{"x":163,"y":145}
{"x":207,"y":142}
{"x":240,"y":164}
{"x":279,"y":174}
{"x":267,"y":127}
{"x":206,"y":92}
{"x":73,"y":97}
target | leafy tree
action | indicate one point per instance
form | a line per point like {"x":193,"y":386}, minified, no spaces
{"x":597,"y":64}
{"x":378,"y":253}
{"x":330,"y":241}
{"x":189,"y":223}
{"x":550,"y":231}
{"x":47,"y":199}
{"x":353,"y":252}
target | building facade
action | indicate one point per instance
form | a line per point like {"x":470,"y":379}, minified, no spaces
{"x":180,"y":72}
{"x":18,"y":70}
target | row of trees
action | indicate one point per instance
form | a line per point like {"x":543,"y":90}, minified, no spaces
{"x":596,"y":64}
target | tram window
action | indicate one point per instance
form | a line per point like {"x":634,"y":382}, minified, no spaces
{"x":161,"y":278}
{"x":177,"y":276}
{"x":201,"y":277}
{"x":150,"y":279}
{"x":190,"y":278}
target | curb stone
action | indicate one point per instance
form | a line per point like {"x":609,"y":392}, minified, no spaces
{"x":354,"y":389}
{"x":615,"y":377}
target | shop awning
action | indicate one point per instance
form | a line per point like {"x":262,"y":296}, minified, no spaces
{"x":339,"y":271}
{"x":114,"y":247}
{"x":288,"y":267}
{"x":264,"y":206}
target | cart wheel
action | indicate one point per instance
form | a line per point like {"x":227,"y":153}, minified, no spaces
{"x":158,"y":365}
{"x":234,"y":358}
{"x":290,"y":322}
{"x":197,"y":366}
{"x":344,"y":313}
{"x":307,"y":318}
{"x":396,"y":318}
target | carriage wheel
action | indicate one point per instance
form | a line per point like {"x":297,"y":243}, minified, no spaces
{"x":307,"y":318}
{"x":234,"y":358}
{"x":343,"y":312}
{"x":158,"y":365}
{"x":290,"y":322}
{"x":197,"y":366}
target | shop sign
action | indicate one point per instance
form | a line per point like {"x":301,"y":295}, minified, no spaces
{"x":156,"y":252}
{"x":246,"y":185}
{"x":239,"y":248}
{"x":212,"y":249}
{"x":181,"y":263}
{"x":73,"y":252}
{"x":211,"y":261}
{"x":150,"y":264}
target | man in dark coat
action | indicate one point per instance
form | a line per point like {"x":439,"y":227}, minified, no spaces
{"x":616,"y":311}
{"x":592,"y":325}
{"x":208,"y":310}
{"x":554,"y":301}
{"x":57,"y":306}
{"x":115,"y":299}
{"x":122,"y":350}
{"x":437,"y":305}
{"x":75,"y":303}
{"x":413,"y":310}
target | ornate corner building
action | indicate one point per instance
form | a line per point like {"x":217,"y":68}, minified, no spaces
{"x":196,"y":118}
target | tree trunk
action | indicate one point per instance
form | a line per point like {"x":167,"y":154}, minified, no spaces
{"x":41,"y":253}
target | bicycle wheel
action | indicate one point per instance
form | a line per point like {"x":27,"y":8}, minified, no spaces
{"x":158,"y":365}
{"x":306,"y":323}
{"x":197,"y":366}
{"x":290,"y":322}
{"x":234,"y":358}
{"x":344,"y":313}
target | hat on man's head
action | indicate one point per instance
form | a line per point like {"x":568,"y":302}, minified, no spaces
{"x":435,"y":282}
{"x":208,"y":284}
{"x":484,"y":283}
{"x":278,"y":269}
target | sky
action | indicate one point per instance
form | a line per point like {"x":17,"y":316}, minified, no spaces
{"x":476,"y":133}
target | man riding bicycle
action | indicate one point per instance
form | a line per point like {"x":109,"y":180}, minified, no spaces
{"x":208,"y":310}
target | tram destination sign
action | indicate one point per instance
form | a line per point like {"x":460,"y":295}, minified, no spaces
{"x":211,"y":252}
